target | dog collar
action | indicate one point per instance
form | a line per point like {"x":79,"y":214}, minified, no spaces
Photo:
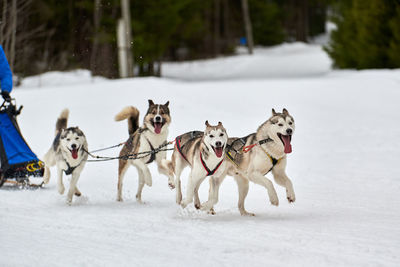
{"x":209,"y":172}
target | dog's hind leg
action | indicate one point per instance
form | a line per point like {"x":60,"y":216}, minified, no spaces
{"x":281,"y":178}
{"x":243,"y":189}
{"x":123,"y":166}
{"x":72,"y":187}
{"x":258,"y":178}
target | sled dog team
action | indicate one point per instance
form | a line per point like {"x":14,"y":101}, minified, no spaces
{"x":209,"y":154}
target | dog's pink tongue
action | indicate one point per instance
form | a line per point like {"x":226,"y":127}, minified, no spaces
{"x":157,"y":128}
{"x":74,"y":153}
{"x":286,"y":141}
{"x":218,"y":151}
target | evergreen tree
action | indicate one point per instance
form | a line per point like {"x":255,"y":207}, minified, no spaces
{"x":266,"y":20}
{"x":394,"y":48}
{"x":366,"y":29}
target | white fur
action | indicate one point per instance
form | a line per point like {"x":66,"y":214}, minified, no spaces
{"x":60,"y":156}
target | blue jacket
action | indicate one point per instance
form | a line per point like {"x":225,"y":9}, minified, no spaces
{"x":5,"y":73}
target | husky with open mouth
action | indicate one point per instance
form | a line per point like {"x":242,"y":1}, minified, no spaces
{"x":69,"y":153}
{"x":150,"y":136}
{"x":274,"y":143}
{"x":204,"y":152}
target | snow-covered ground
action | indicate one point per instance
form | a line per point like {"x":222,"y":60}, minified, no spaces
{"x":343,"y":166}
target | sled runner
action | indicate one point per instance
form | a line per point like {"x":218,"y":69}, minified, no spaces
{"x":17,"y":160}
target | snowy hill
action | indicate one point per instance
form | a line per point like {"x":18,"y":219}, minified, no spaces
{"x":343,"y":167}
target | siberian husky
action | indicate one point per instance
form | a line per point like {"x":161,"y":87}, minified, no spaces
{"x":205,"y":154}
{"x":274,"y":143}
{"x":150,"y":136}
{"x":69,"y":153}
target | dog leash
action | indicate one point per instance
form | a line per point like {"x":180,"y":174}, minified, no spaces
{"x":138,"y":155}
{"x":106,"y":148}
{"x":261,"y":142}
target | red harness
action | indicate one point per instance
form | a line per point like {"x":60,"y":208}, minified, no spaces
{"x":209,"y":172}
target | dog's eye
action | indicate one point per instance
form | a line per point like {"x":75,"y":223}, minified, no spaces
{"x":280,"y":124}
{"x":76,"y":138}
{"x":221,"y":134}
{"x":68,"y":139}
{"x":211,"y":136}
{"x":290,"y":123}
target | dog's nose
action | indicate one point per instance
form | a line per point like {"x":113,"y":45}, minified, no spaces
{"x":157,"y":118}
{"x":218,"y":144}
{"x":289,"y":131}
{"x":73,"y":146}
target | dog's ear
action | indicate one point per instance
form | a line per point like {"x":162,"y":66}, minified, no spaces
{"x":274,"y":112}
{"x":207,"y":124}
{"x":285,"y":112}
{"x":151,"y":103}
{"x":219,"y":123}
{"x":166,"y":104}
{"x":62,"y":132}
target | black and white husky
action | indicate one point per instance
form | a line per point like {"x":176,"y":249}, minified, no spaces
{"x":69,"y":153}
{"x":151,"y":135}
{"x":204,"y":152}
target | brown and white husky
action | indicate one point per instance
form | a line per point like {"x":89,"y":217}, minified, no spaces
{"x":151,"y":135}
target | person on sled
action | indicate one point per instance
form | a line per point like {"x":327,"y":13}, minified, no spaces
{"x":6,"y":81}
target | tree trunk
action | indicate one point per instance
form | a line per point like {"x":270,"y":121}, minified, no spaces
{"x":247,"y":25}
{"x":217,"y":12}
{"x":3,"y":22}
{"x":227,"y":34}
{"x":158,"y":73}
{"x":126,"y":15}
{"x":14,"y":33}
{"x":302,"y":20}
{"x":96,"y":22}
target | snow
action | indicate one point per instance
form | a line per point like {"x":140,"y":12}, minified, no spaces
{"x":284,"y":61}
{"x":343,"y":167}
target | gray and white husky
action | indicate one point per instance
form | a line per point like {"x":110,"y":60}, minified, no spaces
{"x":273,"y":139}
{"x":69,"y":153}
{"x":204,"y":152}
{"x":151,"y":135}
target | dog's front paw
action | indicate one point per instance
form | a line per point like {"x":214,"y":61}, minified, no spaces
{"x":211,"y":211}
{"x":69,"y":201}
{"x":178,"y":199}
{"x":274,"y":200}
{"x":171,"y":185}
{"x":61,"y":189}
{"x":246,"y":213}
{"x":148,"y":182}
{"x":184,"y":203}
{"x":120,"y":199}
{"x":46,"y":175}
{"x":290,"y":196}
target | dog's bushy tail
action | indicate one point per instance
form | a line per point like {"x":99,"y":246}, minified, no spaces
{"x":62,"y":121}
{"x":132,"y":115}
